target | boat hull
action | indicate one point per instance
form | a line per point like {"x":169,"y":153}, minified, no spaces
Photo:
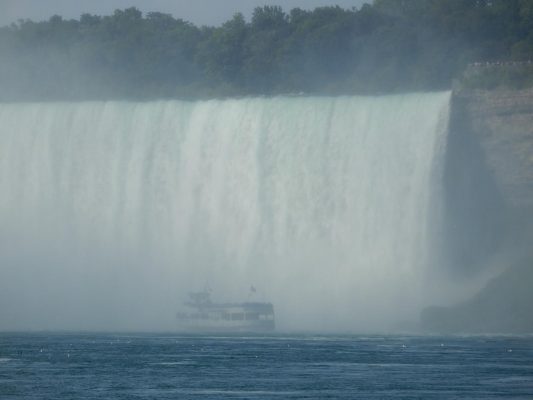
{"x":229,"y":317}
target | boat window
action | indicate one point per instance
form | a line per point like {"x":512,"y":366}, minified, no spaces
{"x":237,"y":316}
{"x":251,"y":316}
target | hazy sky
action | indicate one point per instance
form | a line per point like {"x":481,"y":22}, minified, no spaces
{"x":201,"y":12}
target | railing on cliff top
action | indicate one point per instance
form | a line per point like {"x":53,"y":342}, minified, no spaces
{"x":496,"y":74}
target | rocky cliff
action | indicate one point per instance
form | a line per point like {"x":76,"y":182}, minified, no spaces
{"x":503,"y":306}
{"x":489,"y":210}
{"x":502,"y":122}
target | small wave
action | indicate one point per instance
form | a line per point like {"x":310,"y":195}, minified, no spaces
{"x":169,"y":363}
{"x":5,"y":359}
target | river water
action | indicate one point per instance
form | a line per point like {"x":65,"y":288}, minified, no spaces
{"x":153,"y":366}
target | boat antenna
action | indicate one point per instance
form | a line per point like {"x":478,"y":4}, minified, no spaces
{"x":252,"y":292}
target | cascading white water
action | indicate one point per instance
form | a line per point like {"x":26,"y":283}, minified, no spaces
{"x":110,"y":212}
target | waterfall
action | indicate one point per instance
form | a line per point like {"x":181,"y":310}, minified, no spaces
{"x":110,"y":212}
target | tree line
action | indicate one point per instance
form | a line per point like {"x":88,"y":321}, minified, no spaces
{"x":383,"y":47}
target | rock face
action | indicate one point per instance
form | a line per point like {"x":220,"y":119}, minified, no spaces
{"x":489,"y":210}
{"x":489,"y":176}
{"x":502,"y":122}
{"x":504,"y":306}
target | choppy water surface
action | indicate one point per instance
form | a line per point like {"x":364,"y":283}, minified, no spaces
{"x":82,"y":366}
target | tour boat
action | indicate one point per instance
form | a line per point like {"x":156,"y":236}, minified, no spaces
{"x":203,"y":315}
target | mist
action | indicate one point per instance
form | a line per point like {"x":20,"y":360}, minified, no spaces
{"x":113,"y":211}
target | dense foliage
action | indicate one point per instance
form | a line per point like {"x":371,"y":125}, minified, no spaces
{"x":388,"y":46}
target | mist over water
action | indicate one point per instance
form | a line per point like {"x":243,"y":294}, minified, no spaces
{"x":111,"y":212}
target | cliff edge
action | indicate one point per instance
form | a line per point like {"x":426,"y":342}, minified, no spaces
{"x":488,"y":183}
{"x":502,"y":122}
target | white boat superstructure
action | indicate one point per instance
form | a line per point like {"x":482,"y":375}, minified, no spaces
{"x":204,"y":315}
